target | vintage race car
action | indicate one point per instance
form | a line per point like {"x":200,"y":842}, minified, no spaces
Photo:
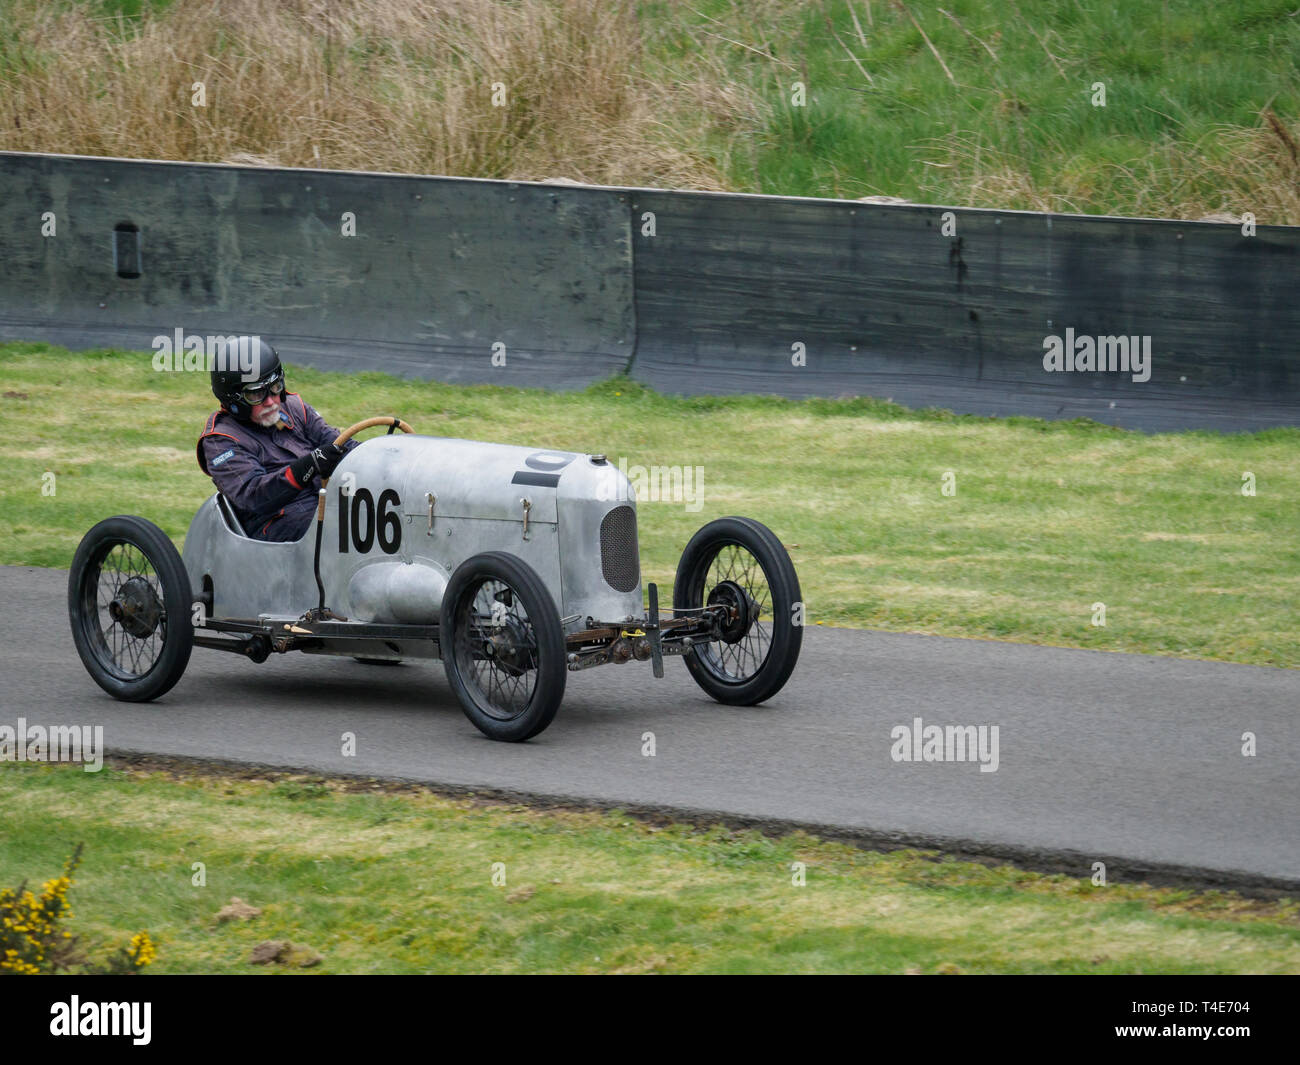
{"x":510,"y":564}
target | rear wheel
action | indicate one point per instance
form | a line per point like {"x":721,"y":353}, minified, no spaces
{"x":739,"y":563}
{"x":503,"y":646}
{"x":129,"y":602}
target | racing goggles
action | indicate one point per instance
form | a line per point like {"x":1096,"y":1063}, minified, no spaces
{"x":255,"y":394}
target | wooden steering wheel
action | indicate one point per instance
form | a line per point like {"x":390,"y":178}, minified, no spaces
{"x":352,"y":430}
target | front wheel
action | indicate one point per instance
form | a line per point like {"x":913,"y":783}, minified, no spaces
{"x":502,"y":646}
{"x":739,"y":563}
{"x":129,"y":601}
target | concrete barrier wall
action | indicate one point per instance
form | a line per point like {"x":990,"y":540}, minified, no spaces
{"x":690,"y":292}
{"x":886,"y":304}
{"x":439,"y":271}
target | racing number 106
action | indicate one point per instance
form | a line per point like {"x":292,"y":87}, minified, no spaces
{"x":358,"y":524}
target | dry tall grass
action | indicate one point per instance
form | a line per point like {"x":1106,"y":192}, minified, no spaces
{"x":593,"y":93}
{"x":400,"y":85}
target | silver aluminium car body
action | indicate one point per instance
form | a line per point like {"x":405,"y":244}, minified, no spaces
{"x":403,"y":511}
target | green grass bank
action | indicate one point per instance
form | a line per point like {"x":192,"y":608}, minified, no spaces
{"x":404,"y":882}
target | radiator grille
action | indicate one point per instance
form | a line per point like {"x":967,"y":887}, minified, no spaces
{"x":619,"y":558}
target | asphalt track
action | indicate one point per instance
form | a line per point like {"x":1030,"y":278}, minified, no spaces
{"x":1132,"y":760}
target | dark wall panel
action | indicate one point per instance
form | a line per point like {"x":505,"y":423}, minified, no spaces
{"x":439,"y":269}
{"x":888,"y":305}
{"x":884,"y":302}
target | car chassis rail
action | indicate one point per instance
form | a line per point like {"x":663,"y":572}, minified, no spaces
{"x":649,"y":638}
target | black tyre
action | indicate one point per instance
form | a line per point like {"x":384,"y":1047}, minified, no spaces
{"x":502,"y":646}
{"x":740,"y":562}
{"x":129,"y":602}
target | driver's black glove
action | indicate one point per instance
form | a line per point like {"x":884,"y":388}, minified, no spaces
{"x":303,"y":468}
{"x":320,"y":462}
{"x":327,"y":458}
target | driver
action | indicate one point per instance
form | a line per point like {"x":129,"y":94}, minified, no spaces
{"x":265,"y":448}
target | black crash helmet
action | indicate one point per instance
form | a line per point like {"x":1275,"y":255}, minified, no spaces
{"x":243,"y":364}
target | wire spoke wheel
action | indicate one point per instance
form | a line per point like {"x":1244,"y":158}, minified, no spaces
{"x":496,"y":649}
{"x":131,"y":615}
{"x":502,"y":646}
{"x":735,"y":579}
{"x":738,"y":567}
{"x":128,"y":603}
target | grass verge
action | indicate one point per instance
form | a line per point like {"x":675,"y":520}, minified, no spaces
{"x":401,"y":881}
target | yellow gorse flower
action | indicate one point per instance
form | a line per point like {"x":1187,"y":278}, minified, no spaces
{"x":32,"y":941}
{"x":141,"y":949}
